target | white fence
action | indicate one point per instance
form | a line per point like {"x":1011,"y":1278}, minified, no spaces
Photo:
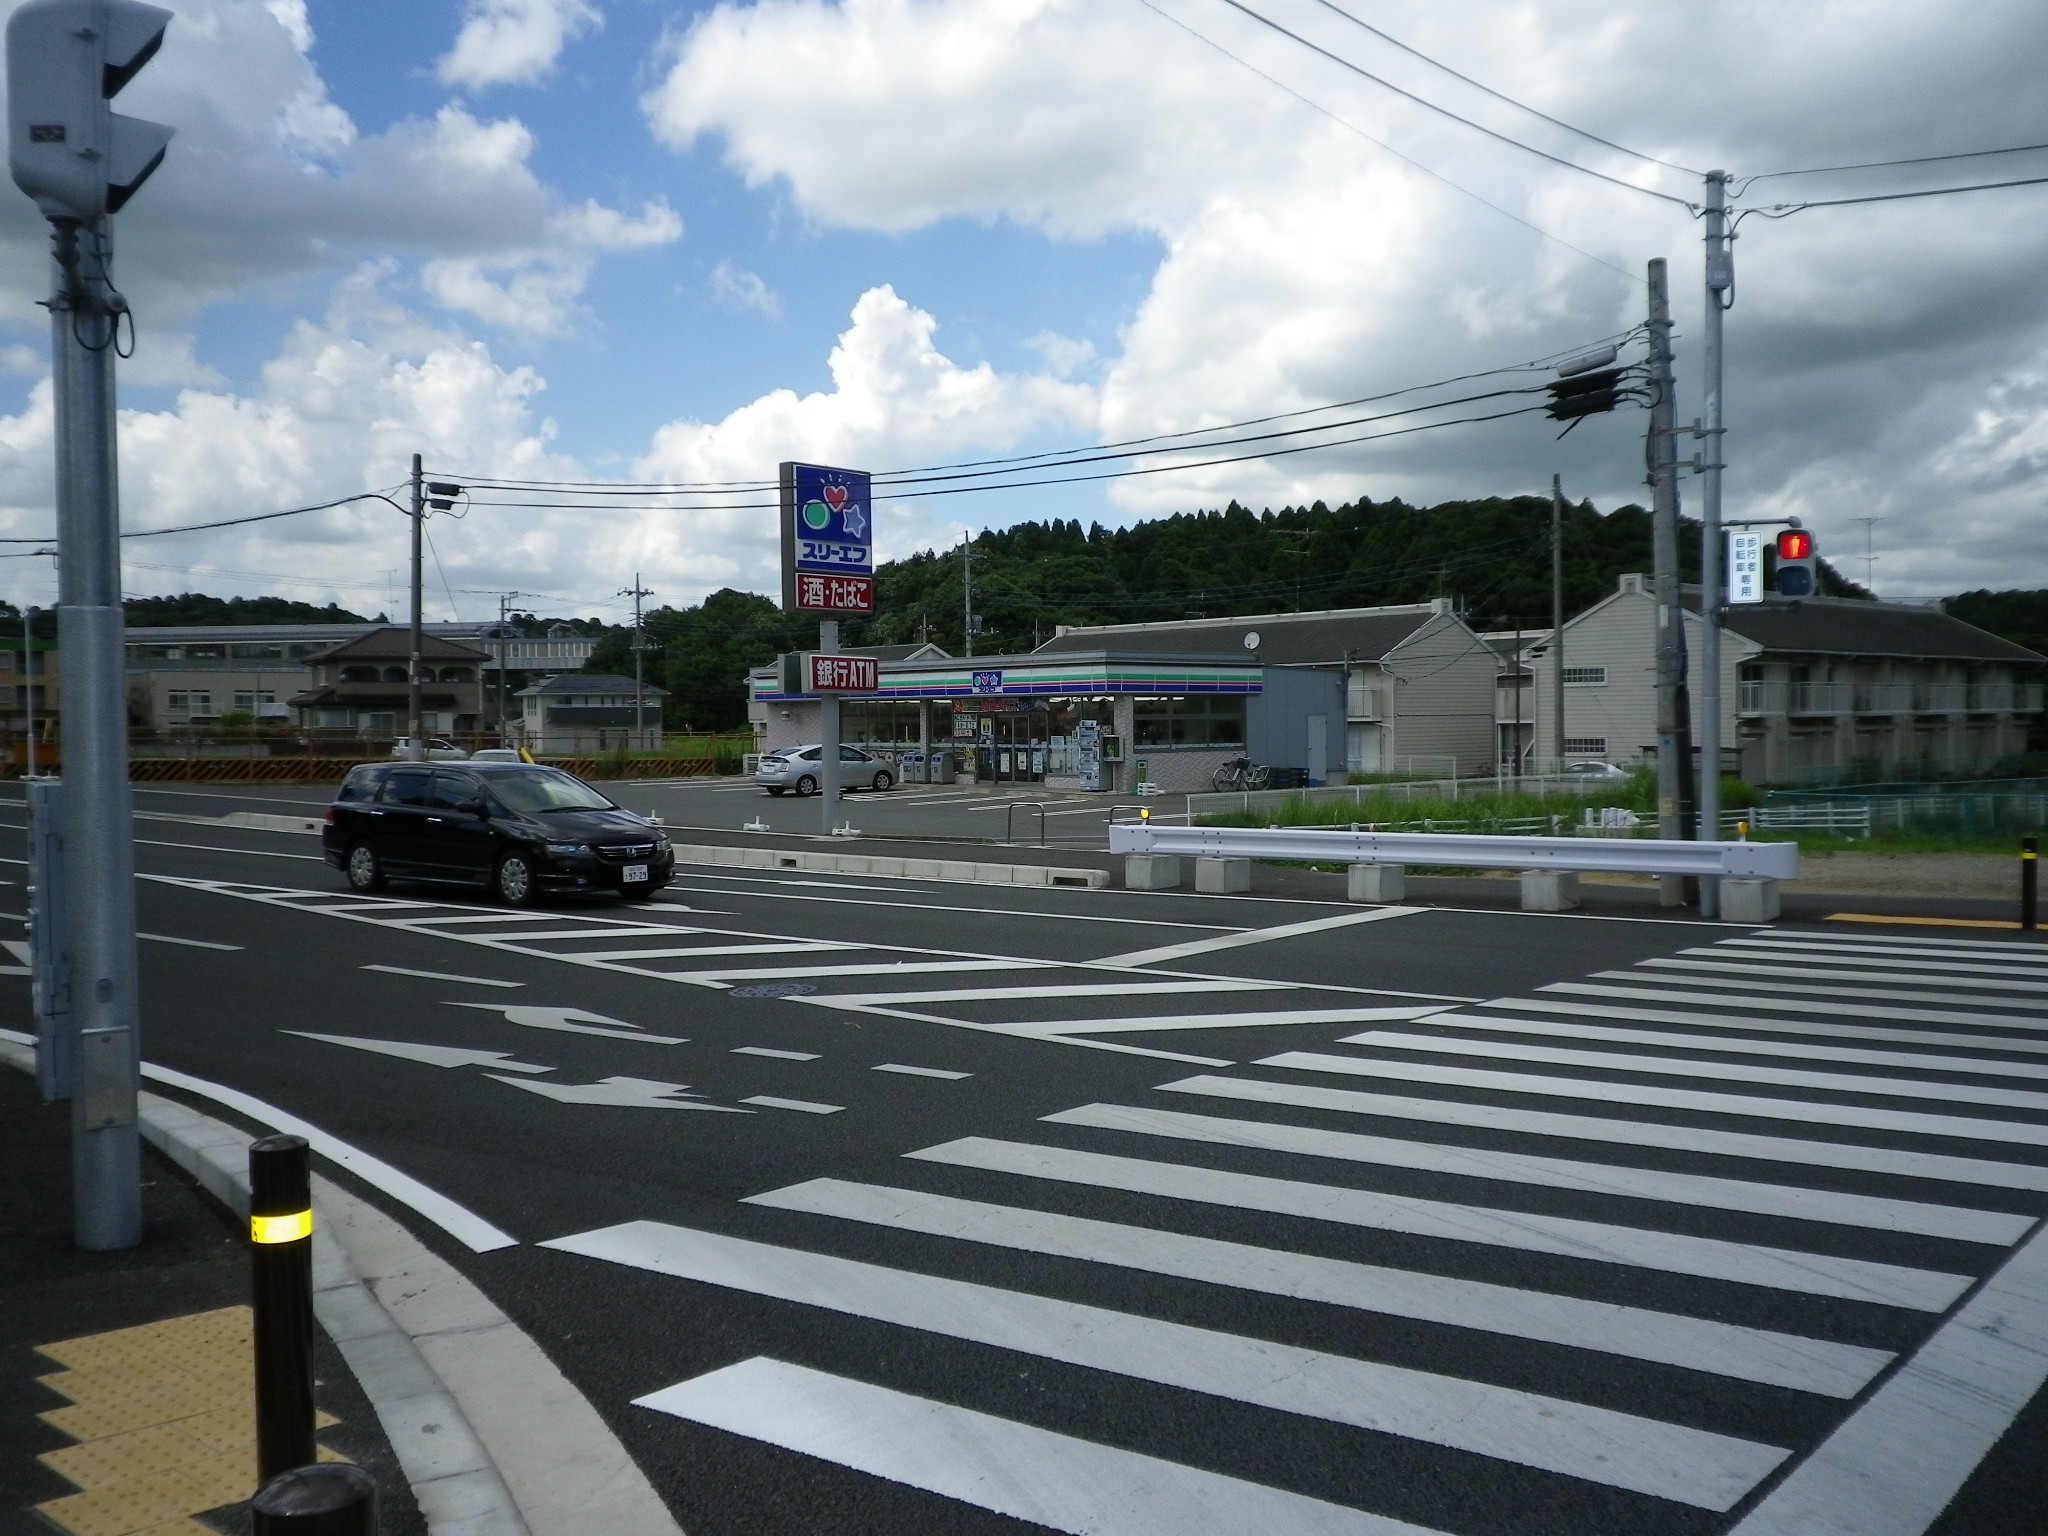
{"x":1245,"y":801}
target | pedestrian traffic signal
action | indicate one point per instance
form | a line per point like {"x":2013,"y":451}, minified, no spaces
{"x":1797,"y":557}
{"x":65,"y":59}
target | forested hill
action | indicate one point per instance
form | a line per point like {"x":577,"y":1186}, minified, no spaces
{"x":197,"y":608}
{"x":1491,"y":557}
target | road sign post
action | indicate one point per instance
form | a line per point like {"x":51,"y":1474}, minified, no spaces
{"x":828,"y":569}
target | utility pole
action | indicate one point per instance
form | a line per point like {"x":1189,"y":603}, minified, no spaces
{"x":967,"y":592}
{"x":504,"y":656}
{"x":81,"y":163}
{"x":415,"y":736}
{"x":1720,"y":274}
{"x":1557,"y":620}
{"x":637,"y":592}
{"x":1673,"y":733}
{"x":28,"y":690}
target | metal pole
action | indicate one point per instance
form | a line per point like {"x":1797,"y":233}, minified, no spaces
{"x":1670,"y":629}
{"x":281,"y":1294}
{"x":28,"y":689}
{"x":2030,"y":875}
{"x":828,"y":733}
{"x":967,"y":592}
{"x":637,"y":592}
{"x":504,"y":655}
{"x":1557,"y":621}
{"x":1720,"y":279}
{"x":99,"y":834}
{"x":416,"y":736}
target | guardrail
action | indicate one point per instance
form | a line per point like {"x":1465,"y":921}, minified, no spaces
{"x":1010,"y":815}
{"x":1615,"y":855}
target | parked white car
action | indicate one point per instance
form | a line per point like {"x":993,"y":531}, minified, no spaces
{"x":796,"y":768}
{"x":438,"y":750}
{"x":496,"y":755}
{"x":1603,"y":772}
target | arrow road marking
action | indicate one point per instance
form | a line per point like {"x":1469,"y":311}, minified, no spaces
{"x":432,"y":1055}
{"x":567,"y":1020}
{"x":622,"y":1092}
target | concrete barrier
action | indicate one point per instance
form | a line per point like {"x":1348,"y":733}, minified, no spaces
{"x":1223,"y":877}
{"x":1151,"y":872}
{"x":889,"y":866}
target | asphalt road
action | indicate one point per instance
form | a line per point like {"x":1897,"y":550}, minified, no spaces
{"x":890,"y":1206}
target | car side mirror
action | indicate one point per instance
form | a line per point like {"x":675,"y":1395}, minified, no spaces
{"x":478,"y":808}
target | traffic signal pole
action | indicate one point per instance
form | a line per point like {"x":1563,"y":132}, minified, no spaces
{"x":1720,"y":274}
{"x":99,"y":831}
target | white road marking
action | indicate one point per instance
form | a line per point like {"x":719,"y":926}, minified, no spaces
{"x":1784,"y":1269}
{"x":1010,"y":994}
{"x":880,"y":968}
{"x":801,"y":1106}
{"x":762,"y":1050}
{"x":1265,"y":1020}
{"x":2017,"y":1132}
{"x":1799,"y":1005}
{"x":1625,"y":1133}
{"x":1707,"y":1191}
{"x":253,"y":853}
{"x":894,"y":1066}
{"x":573,"y":1021}
{"x":650,"y":930}
{"x":1764,"y":991}
{"x":472,"y":981}
{"x":1762,"y":1025}
{"x":621,"y":1093}
{"x":951,"y":909}
{"x":1257,"y":936}
{"x":793,"y":947}
{"x":1782,"y":956}
{"x":1961,"y":976}
{"x":1615,"y":1449}
{"x":1722,"y":1349}
{"x":166,"y":938}
{"x":472,"y":916}
{"x":1031,"y":1474}
{"x":1892,"y":944}
{"x":19,"y":948}
{"x":1894,"y":1464}
{"x":1734,"y":1045}
{"x":431,"y":1055}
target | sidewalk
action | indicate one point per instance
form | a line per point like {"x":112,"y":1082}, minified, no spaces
{"x":144,"y":1450}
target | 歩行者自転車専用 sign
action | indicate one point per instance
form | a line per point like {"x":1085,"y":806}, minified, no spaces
{"x":827,"y":541}
{"x":828,"y":672}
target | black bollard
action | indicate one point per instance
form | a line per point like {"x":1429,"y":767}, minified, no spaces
{"x":2030,"y":866}
{"x":281,"y":1272}
{"x":332,"y":1499}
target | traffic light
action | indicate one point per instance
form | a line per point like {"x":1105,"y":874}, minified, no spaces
{"x":1585,"y":386}
{"x":65,"y":59}
{"x":1797,"y":556}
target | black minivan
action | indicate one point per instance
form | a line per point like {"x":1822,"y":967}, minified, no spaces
{"x":519,"y":829}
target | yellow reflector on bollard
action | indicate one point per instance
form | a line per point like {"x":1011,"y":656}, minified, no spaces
{"x":281,"y":1229}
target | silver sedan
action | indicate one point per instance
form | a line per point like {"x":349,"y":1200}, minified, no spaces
{"x":797,"y":768}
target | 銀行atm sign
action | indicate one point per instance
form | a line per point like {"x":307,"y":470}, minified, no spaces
{"x":829,"y":672}
{"x":827,"y":541}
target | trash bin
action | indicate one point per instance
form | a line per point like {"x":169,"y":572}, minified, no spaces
{"x":939,"y":768}
{"x":910,"y":768}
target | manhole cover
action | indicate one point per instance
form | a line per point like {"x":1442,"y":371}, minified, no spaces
{"x":774,"y":989}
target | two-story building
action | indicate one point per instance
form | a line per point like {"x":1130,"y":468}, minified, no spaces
{"x":1810,"y":689}
{"x":361,"y":686}
{"x":578,"y":713}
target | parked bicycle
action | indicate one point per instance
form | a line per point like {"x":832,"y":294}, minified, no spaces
{"x":1242,"y":773}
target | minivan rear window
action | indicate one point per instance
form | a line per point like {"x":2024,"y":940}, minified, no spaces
{"x":361,"y":784}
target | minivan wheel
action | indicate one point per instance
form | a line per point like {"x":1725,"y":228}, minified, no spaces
{"x":514,"y":881}
{"x":806,"y":786}
{"x":365,"y":869}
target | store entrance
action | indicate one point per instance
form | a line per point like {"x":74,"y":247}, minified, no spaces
{"x":1015,"y":746}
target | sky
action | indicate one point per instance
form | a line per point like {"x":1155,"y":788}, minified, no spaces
{"x":656,"y":241}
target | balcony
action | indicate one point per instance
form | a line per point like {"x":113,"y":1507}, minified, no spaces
{"x":1767,"y":698}
{"x":1361,"y":702}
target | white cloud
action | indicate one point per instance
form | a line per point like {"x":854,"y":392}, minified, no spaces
{"x":737,"y":288}
{"x":534,"y":291}
{"x":513,"y":42}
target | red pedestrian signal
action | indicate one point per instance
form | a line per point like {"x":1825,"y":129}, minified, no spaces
{"x":1797,"y":557}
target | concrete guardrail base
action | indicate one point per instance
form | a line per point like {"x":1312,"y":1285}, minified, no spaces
{"x":1376,"y":882}
{"x":1749,"y":901}
{"x":1151,"y":871}
{"x":1223,"y":877}
{"x":1549,"y":890}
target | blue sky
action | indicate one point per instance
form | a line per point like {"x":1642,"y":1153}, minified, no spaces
{"x":626,"y":239}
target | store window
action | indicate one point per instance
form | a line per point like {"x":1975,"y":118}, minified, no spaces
{"x":1063,"y":721}
{"x":889,"y":722}
{"x":1192,"y":721}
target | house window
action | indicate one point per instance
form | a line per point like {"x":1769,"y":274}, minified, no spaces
{"x":246,"y":700}
{"x":332,"y":718}
{"x":190,"y":702}
{"x":381,"y":722}
{"x":1585,"y":746}
{"x":1585,"y":677}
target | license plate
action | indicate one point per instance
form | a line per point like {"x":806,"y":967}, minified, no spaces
{"x":633,"y":872}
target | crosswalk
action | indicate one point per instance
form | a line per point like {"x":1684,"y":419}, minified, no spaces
{"x":1647,"y":1252}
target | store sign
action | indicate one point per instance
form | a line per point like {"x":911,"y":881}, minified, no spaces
{"x":828,"y":552}
{"x":827,"y":672}
{"x":1745,"y":566}
{"x":988,"y":682}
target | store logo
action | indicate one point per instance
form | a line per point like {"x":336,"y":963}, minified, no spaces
{"x":988,"y":682}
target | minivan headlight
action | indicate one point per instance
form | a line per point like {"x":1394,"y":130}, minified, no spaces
{"x":568,"y":850}
{"x":661,"y":844}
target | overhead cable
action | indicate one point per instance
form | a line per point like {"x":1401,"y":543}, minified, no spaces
{"x":230,"y":522}
{"x":1881,"y":165}
{"x":1781,"y":210}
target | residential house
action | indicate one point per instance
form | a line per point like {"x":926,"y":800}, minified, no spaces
{"x":29,"y":673}
{"x":360,"y":686}
{"x":579,"y":713}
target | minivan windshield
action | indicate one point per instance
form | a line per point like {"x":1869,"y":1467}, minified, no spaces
{"x":541,"y":790}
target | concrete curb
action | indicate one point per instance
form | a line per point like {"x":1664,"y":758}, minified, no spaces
{"x":492,"y":1438}
{"x":890,"y":865}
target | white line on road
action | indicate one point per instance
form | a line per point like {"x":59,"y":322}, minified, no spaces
{"x":1624,"y":1133}
{"x":1615,"y":1449}
{"x":793,"y":947}
{"x":1897,"y":992}
{"x":952,"y":909}
{"x":1892,"y":944}
{"x":1676,"y":1253}
{"x":473,"y":981}
{"x":879,"y":968}
{"x":762,"y":1050}
{"x":1407,"y":1011}
{"x":1788,"y":973}
{"x":572,"y":1021}
{"x":1011,"y":994}
{"x":166,"y":938}
{"x":801,"y":1106}
{"x":1030,"y":1474}
{"x":2022,"y":1133}
{"x":1707,"y":1191}
{"x":941,"y":1072}
{"x":1779,"y":955}
{"x":1257,"y":936}
{"x":1799,"y":1005}
{"x":431,"y":1055}
{"x":1762,"y":1025}
{"x":1722,"y":1349}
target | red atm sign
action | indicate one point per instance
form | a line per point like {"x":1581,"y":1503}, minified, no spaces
{"x":841,"y":674}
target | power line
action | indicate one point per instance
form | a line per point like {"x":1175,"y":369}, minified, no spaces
{"x":231,"y":522}
{"x":1880,"y":165}
{"x":1423,"y":101}
{"x":1780,"y":210}
{"x":1351,"y":127}
{"x":1555,"y":122}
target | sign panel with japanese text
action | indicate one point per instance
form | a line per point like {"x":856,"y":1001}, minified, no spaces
{"x":827,"y":540}
{"x":1745,"y":566}
{"x":830,"y":672}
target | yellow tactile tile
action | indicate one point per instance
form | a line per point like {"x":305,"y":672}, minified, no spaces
{"x":166,"y":1424}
